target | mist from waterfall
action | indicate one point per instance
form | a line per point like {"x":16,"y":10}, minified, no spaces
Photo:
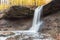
{"x":37,"y":19}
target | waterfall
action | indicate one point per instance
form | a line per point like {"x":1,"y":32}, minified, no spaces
{"x":35,"y":26}
{"x":37,"y":19}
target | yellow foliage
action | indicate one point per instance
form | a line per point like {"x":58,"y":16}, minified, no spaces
{"x":2,"y":7}
{"x":23,"y":3}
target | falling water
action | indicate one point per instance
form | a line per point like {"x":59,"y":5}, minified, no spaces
{"x":37,"y":19}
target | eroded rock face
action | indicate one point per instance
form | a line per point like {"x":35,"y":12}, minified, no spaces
{"x":18,"y":12}
{"x":52,"y":7}
{"x":52,"y":25}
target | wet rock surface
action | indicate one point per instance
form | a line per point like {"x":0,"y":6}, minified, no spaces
{"x":52,"y":24}
{"x":5,"y":34}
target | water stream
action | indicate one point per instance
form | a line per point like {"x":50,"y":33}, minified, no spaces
{"x":37,"y":19}
{"x":35,"y":26}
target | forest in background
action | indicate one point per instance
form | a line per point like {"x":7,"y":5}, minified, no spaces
{"x":5,"y":4}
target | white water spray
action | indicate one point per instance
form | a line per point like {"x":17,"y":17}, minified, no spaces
{"x":37,"y":19}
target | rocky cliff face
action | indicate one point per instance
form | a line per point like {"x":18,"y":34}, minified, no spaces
{"x":53,"y":6}
{"x":18,"y":12}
